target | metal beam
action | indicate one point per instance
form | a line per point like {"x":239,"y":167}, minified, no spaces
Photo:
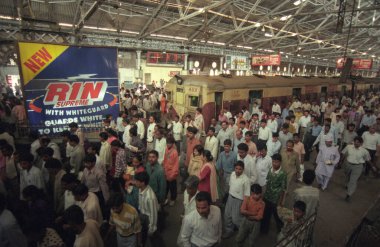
{"x":194,"y":14}
{"x":88,"y":14}
{"x":154,"y":15}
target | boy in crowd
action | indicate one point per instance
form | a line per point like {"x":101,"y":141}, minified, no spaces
{"x":292,"y":223}
{"x":253,"y":210}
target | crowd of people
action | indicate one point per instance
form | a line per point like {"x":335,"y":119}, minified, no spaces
{"x":234,"y":172}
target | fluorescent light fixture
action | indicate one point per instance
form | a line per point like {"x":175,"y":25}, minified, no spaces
{"x":285,"y":18}
{"x":257,"y":24}
{"x":268,"y":35}
{"x":65,"y":24}
{"x":298,"y":2}
{"x":319,"y":41}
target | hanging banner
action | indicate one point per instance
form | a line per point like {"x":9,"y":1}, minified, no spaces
{"x":160,"y":58}
{"x":266,"y":60}
{"x":237,"y":62}
{"x":64,"y":84}
{"x":357,"y":63}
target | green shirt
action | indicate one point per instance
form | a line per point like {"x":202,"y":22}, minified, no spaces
{"x":157,"y":180}
{"x":276,"y":184}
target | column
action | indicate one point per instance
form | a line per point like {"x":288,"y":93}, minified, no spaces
{"x":289,"y":69}
{"x":303,"y":70}
{"x":138,"y":52}
{"x":221,"y":64}
{"x":185,"y":62}
{"x":316,"y":70}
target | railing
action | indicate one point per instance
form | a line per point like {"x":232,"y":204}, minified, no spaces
{"x":301,"y":236}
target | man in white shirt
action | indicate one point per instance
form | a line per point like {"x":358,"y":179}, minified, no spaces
{"x":47,"y":143}
{"x":105,"y":153}
{"x":296,"y":104}
{"x":303,"y":122}
{"x":89,"y":203}
{"x":160,"y":144}
{"x":272,"y":123}
{"x":265,"y":133}
{"x":177,"y":133}
{"x":140,"y":126}
{"x":263,"y":164}
{"x":246,"y":114}
{"x":249,"y":162}
{"x":126,"y":135}
{"x":30,"y":174}
{"x":202,"y":227}
{"x":371,"y":142}
{"x":276,"y":108}
{"x":324,"y":105}
{"x":273,"y":145}
{"x":316,"y":109}
{"x":211,"y":143}
{"x":239,"y":188}
{"x":150,"y":133}
{"x":356,"y":156}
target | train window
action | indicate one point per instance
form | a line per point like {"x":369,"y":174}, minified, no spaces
{"x":297,"y":92}
{"x":194,"y":101}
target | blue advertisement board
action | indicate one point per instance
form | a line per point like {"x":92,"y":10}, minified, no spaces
{"x":64,"y":84}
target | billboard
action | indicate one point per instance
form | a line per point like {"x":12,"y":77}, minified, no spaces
{"x":266,"y":60}
{"x":357,"y":63}
{"x":161,"y":58}
{"x":237,"y":62}
{"x":64,"y":84}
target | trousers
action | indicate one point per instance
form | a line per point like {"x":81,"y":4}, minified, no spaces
{"x":232,"y":215}
{"x":353,"y":173}
{"x":248,"y":228}
{"x":129,"y":241}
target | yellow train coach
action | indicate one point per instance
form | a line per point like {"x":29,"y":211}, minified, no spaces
{"x":213,"y":93}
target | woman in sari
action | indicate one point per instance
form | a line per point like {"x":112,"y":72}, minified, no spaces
{"x":208,"y":176}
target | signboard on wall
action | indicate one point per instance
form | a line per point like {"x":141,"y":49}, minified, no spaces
{"x":357,"y":63}
{"x":160,"y":58}
{"x":64,"y":84}
{"x":266,"y":60}
{"x":237,"y":62}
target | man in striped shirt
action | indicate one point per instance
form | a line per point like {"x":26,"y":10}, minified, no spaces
{"x":148,"y":207}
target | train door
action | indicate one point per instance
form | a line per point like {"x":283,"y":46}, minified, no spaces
{"x":218,"y":102}
{"x":344,"y":90}
{"x":255,"y":96}
{"x":296,"y":92}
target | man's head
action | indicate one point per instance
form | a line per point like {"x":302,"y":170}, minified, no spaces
{"x":191,"y":184}
{"x":308,"y":176}
{"x":275,"y":137}
{"x":203,"y":202}
{"x":26,"y":161}
{"x":358,"y":141}
{"x":296,"y":137}
{"x":372,"y":129}
{"x":211,"y":131}
{"x":103,"y":136}
{"x":89,"y":161}
{"x":191,"y":132}
{"x":327,"y":128}
{"x":262,"y":149}
{"x":170,"y":142}
{"x":239,"y":167}
{"x":299,"y":209}
{"x":80,"y":193}
{"x":329,"y":141}
{"x":73,"y":127}
{"x":306,"y":113}
{"x":242,"y":150}
{"x":276,"y":161}
{"x":256,"y":191}
{"x":152,"y":119}
{"x":69,"y":181}
{"x":74,"y":217}
{"x":160,"y":133}
{"x":141,"y":180}
{"x":47,"y":153}
{"x":224,"y":125}
{"x":351,"y":127}
{"x":213,"y":122}
{"x":93,"y":149}
{"x":116,"y":145}
{"x":248,"y":136}
{"x":227,"y":145}
{"x":289,"y":146}
{"x":153,"y":157}
{"x":73,"y":140}
{"x":263,"y":123}
{"x":116,"y":203}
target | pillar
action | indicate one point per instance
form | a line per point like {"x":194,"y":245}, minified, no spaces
{"x":221,"y":64}
{"x":138,"y":52}
{"x":316,"y":70}
{"x":185,"y":62}
{"x":289,"y":68}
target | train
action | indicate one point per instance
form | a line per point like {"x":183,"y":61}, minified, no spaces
{"x":186,"y":93}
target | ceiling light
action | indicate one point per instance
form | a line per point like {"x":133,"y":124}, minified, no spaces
{"x":257,"y":24}
{"x":298,"y":2}
{"x":370,"y":48}
{"x":263,"y":29}
{"x":284,"y":18}
{"x":319,"y":41}
{"x":268,"y":35}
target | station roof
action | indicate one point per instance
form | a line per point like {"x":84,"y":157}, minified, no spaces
{"x":303,"y":28}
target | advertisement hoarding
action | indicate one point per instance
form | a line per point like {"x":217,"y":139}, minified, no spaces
{"x":64,"y":84}
{"x":266,"y":60}
{"x":357,"y":63}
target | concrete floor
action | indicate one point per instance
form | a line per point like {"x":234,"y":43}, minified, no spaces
{"x":335,"y":222}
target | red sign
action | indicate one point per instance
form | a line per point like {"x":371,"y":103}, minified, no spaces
{"x":266,"y":60}
{"x":63,"y":95}
{"x":357,"y":63}
{"x":165,"y":58}
{"x":174,"y":73}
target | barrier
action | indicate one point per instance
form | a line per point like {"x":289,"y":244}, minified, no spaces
{"x":301,"y":236}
